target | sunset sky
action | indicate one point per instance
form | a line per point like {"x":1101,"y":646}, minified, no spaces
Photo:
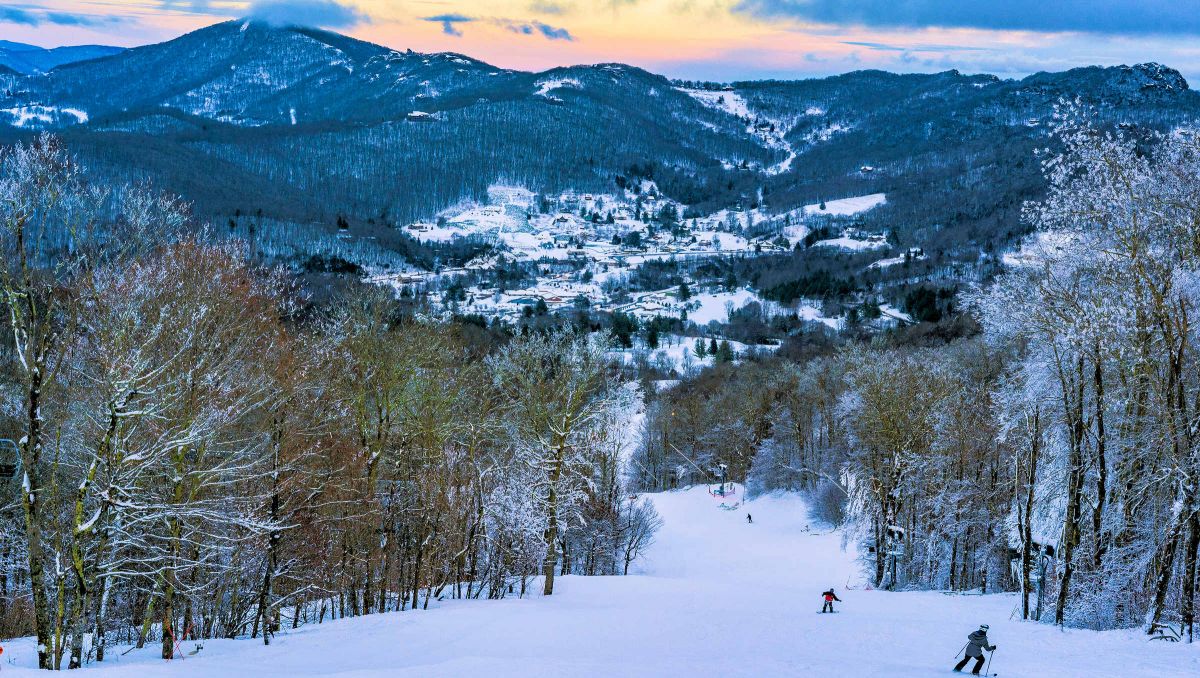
{"x":710,"y":39}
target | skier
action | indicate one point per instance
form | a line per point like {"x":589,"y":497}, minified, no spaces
{"x":977,"y":642}
{"x":830,"y":596}
{"x":749,"y":519}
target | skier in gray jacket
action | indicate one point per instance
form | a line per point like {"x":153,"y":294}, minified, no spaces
{"x":977,"y":642}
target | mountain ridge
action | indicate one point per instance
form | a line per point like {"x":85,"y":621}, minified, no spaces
{"x":204,"y":63}
{"x":307,"y":126}
{"x":32,"y":59}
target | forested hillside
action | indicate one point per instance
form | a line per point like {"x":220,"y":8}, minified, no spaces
{"x":1048,"y":451}
{"x":194,"y":446}
{"x":301,"y":327}
{"x":302,"y":126}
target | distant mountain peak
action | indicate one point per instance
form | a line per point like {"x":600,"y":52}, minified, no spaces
{"x":31,"y":59}
{"x":18,"y":46}
{"x":1113,"y":85}
{"x":1158,"y":75}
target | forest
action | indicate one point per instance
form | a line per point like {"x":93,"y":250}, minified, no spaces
{"x":194,"y":448}
{"x":1044,"y":442}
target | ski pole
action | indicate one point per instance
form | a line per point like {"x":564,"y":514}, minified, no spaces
{"x":960,"y":650}
{"x":989,"y":667}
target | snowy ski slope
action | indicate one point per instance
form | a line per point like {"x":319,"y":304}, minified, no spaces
{"x":716,"y":597}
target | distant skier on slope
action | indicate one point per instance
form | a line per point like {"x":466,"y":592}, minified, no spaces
{"x":977,"y":642}
{"x":749,"y":519}
{"x":830,"y":596}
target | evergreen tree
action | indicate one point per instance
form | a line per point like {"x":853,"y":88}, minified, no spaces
{"x":624,"y":326}
{"x":724,"y":353}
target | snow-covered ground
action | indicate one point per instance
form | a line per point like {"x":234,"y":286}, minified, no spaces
{"x":705,"y":308}
{"x":725,"y":100}
{"x":715,"y":597}
{"x":31,"y":116}
{"x":843,"y":207}
{"x":545,"y":87}
{"x":847,"y":206}
{"x":679,"y":353}
{"x":850,"y":244}
{"x":894,"y":313}
{"x":913,"y":254}
{"x":770,"y":132}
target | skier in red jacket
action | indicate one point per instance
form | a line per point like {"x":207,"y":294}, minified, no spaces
{"x":830,"y":596}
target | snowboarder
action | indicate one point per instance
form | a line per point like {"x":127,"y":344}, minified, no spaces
{"x":830,"y":596}
{"x":977,"y":642}
{"x":749,"y":519}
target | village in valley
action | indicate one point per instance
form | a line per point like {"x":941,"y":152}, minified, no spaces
{"x":583,"y":248}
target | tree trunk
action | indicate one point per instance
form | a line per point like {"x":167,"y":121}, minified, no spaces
{"x":1188,"y":603}
{"x":551,"y":535}
{"x":1035,"y":444}
{"x":880,"y":558}
{"x":168,"y":617}
{"x":1070,"y":538}
{"x":31,"y":455}
{"x":1101,"y":466}
{"x":1166,"y":564}
{"x":168,"y":595}
{"x":147,"y":620}
{"x":264,"y":594}
{"x":98,"y":640}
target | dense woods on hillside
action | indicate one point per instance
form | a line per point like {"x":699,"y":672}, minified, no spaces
{"x":1052,"y":453}
{"x":195,"y":451}
{"x":197,"y":447}
{"x":323,"y":134}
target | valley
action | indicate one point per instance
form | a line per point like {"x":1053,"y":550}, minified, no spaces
{"x":447,"y":169}
{"x":325,"y":357}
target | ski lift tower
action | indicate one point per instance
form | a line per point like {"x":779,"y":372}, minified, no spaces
{"x":724,"y":469}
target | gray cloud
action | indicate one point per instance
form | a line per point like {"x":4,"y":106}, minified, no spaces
{"x":1117,"y":17}
{"x":67,"y":19}
{"x":553,"y":33}
{"x":197,"y":6}
{"x":450,"y":22}
{"x":919,"y":47}
{"x":315,"y":13}
{"x":450,"y":26}
{"x":535,"y":28}
{"x":548,"y":7}
{"x":13,"y":15}
{"x":28,"y":17}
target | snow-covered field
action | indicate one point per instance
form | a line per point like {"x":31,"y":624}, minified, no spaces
{"x":678,"y":353}
{"x":715,"y":597}
{"x":706,"y":308}
{"x":27,"y":116}
{"x":545,"y":87}
{"x":847,"y":206}
{"x":850,"y":244}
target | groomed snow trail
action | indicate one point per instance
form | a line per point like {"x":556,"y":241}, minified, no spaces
{"x":715,"y":597}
